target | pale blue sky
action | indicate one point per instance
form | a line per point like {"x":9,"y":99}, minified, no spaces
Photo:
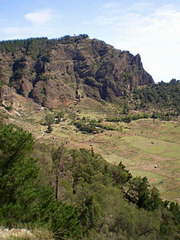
{"x":150,"y":28}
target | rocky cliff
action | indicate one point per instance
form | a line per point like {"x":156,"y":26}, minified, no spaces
{"x":58,"y":71}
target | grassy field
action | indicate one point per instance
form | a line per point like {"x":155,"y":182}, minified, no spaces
{"x":140,"y":145}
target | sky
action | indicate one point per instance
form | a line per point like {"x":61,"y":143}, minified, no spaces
{"x":150,"y":27}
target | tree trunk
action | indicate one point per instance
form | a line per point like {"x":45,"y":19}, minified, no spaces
{"x":57,"y":186}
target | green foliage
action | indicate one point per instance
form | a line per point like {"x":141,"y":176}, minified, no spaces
{"x":91,"y":126}
{"x":22,"y":199}
{"x":162,"y":116}
{"x":131,"y":117}
{"x":9,"y":108}
{"x":126,"y":109}
{"x":139,"y":192}
{"x":175,"y":209}
{"x":49,"y":119}
{"x":68,"y":39}
{"x":2,"y":82}
{"x":91,"y":212}
{"x":120,"y":175}
{"x":86,"y":166}
{"x":133,"y":223}
{"x":65,"y":223}
{"x":61,"y":163}
{"x":31,"y":44}
{"x":128,"y":118}
{"x":85,"y":127}
{"x":105,"y":200}
{"x":18,"y":68}
{"x":60,"y":115}
{"x":160,"y":96}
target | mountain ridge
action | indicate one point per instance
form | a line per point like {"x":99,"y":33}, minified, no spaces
{"x":54,"y":72}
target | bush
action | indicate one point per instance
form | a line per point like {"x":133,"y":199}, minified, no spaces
{"x":9,"y":108}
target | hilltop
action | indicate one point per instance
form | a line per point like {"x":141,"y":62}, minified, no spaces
{"x":54,"y":72}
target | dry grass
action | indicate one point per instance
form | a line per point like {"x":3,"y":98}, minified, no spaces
{"x":16,"y":234}
{"x":24,"y":234}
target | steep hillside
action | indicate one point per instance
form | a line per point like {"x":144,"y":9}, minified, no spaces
{"x":54,"y":72}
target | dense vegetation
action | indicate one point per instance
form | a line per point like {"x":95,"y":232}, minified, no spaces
{"x":34,"y":45}
{"x":94,"y":127}
{"x":22,"y":199}
{"x":162,"y":96}
{"x":76,"y":194}
{"x":91,"y":126}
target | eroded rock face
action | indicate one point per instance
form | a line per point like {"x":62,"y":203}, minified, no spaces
{"x":56,"y":70}
{"x":6,"y":94}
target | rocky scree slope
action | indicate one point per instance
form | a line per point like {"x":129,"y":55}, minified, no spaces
{"x":58,"y":71}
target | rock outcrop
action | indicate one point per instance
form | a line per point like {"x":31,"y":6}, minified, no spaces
{"x":54,"y":72}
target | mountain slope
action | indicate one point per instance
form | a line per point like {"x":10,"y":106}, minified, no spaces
{"x":54,"y":72}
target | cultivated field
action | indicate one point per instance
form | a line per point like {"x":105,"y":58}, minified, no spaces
{"x":147,"y":147}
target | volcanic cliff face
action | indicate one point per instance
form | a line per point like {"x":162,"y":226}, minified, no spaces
{"x":56,"y":72}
